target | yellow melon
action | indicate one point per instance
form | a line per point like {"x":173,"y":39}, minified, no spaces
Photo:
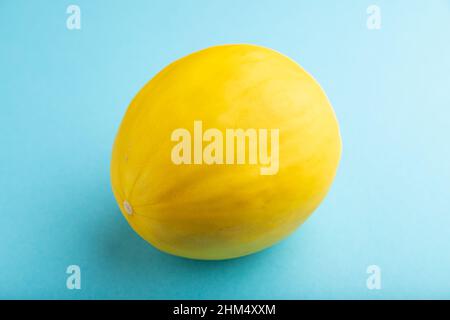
{"x":224,"y":152}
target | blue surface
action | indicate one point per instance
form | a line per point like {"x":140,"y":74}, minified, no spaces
{"x":63,"y":94}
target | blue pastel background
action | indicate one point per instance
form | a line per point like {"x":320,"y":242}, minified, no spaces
{"x":63,"y":94}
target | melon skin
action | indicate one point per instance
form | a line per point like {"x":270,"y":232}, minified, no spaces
{"x":215,"y":212}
